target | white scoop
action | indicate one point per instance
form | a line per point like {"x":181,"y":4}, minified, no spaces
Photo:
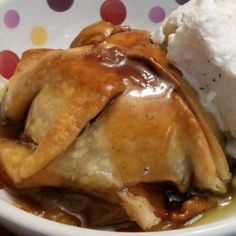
{"x":201,"y":42}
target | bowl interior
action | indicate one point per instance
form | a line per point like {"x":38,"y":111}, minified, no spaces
{"x":54,"y":24}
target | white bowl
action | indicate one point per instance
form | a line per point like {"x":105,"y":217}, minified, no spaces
{"x":54,"y":23}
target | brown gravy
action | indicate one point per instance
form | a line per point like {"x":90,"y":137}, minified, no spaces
{"x":70,"y":208}
{"x":79,"y":210}
{"x":82,"y":211}
{"x":46,"y":211}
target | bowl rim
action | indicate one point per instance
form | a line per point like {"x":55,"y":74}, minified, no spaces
{"x":32,"y":223}
{"x":11,"y":215}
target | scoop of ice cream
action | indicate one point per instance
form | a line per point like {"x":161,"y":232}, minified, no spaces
{"x":200,"y":41}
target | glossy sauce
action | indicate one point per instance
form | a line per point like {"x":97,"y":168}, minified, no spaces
{"x":80,"y":210}
{"x":133,"y":135}
{"x":226,"y":207}
{"x":70,"y":208}
{"x":46,"y":211}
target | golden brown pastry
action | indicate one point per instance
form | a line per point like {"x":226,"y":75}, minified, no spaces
{"x":109,"y":119}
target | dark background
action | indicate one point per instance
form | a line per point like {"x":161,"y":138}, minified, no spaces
{"x":4,"y":232}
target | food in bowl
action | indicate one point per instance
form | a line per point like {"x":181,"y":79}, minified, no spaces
{"x":209,"y":54}
{"x":111,"y":120}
